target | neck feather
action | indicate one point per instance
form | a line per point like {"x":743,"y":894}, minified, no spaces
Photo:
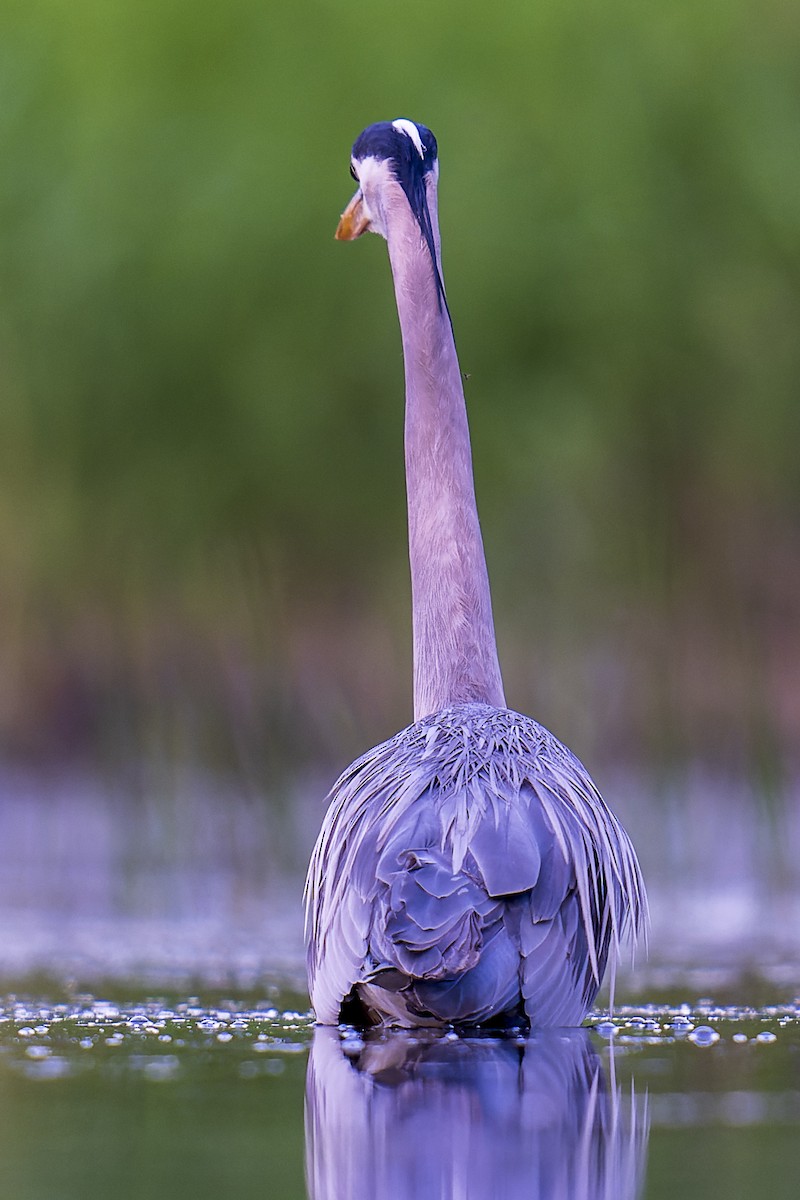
{"x":455,"y":654}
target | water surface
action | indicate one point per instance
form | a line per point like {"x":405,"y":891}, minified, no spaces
{"x":208,"y":1096}
{"x":155,"y":1038}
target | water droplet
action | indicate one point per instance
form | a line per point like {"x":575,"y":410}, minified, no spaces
{"x":703,"y":1035}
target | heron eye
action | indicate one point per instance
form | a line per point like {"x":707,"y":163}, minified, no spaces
{"x":353,"y":172}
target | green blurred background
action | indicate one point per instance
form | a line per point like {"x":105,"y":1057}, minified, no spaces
{"x":202,"y":539}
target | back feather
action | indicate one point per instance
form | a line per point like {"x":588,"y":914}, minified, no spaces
{"x":468,"y":869}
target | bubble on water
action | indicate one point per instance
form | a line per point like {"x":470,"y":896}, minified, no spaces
{"x":766,"y":1036}
{"x":105,"y":1009}
{"x":740,"y":1038}
{"x":37,"y":1051}
{"x":26,"y":1031}
{"x":703,"y":1035}
{"x":263,"y":1014}
{"x":606,"y":1029}
{"x":352,"y":1046}
{"x":680,"y":1027}
{"x":224,"y":1037}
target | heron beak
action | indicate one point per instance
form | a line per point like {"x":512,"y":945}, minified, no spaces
{"x":353,"y":221}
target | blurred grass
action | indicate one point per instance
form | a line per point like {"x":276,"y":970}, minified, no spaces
{"x":202,"y":545}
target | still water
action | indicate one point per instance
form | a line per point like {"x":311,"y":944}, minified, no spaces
{"x":212,"y":1097}
{"x":155,"y":1040}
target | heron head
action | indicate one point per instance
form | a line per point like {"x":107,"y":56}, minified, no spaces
{"x":385,"y":155}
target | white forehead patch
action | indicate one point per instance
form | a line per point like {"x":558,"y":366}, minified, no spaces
{"x":403,"y":125}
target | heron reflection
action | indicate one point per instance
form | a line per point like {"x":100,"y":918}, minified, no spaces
{"x":401,"y":1115}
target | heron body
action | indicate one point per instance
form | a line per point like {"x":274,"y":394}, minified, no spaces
{"x":467,"y":870}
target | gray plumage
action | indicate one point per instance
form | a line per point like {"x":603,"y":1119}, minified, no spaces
{"x":467,"y":869}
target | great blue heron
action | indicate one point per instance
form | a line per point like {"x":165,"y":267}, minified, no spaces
{"x":467,"y":870}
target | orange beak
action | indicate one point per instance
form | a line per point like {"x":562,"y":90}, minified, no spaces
{"x":353,"y":221}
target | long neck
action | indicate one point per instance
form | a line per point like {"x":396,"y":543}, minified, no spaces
{"x":455,"y":654}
